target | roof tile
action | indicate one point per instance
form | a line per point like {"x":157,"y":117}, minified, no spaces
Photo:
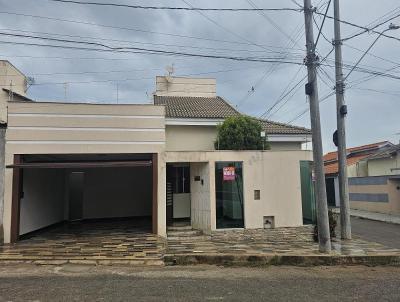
{"x":216,"y":108}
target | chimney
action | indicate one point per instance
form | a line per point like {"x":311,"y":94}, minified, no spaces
{"x":190,"y":87}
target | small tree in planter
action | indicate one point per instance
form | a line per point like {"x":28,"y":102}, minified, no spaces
{"x":240,"y":133}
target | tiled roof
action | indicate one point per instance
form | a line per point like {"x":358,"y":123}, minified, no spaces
{"x":386,"y":152}
{"x":216,"y":108}
{"x":333,"y":168}
{"x":333,"y":155}
{"x":195,"y":107}
{"x":280,"y":128}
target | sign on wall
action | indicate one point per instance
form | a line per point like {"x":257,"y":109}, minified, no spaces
{"x":229,"y":173}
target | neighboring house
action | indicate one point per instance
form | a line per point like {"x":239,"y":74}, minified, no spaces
{"x":384,"y":162}
{"x":355,"y":167}
{"x":378,"y":190}
{"x":72,"y":161}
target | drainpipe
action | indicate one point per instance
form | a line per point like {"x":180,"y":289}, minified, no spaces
{"x":2,"y":170}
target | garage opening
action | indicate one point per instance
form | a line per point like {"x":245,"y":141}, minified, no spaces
{"x":95,"y":189}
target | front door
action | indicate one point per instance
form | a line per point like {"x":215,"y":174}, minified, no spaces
{"x":178,"y":180}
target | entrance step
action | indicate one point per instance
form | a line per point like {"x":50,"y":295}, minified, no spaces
{"x":179,"y":228}
{"x":188,"y":233}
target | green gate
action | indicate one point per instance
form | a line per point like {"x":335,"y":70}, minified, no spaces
{"x":307,"y":193}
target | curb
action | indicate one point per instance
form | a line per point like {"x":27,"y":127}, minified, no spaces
{"x":295,"y":260}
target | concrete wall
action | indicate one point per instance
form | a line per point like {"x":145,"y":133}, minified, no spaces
{"x":192,"y":87}
{"x":285,"y":146}
{"x":384,"y":166}
{"x":117,"y":192}
{"x":10,"y":78}
{"x":375,"y":194}
{"x":190,"y":138}
{"x":43,"y":201}
{"x":200,"y":197}
{"x":275,"y":173}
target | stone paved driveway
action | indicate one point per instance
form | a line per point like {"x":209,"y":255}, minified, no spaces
{"x":280,"y":241}
{"x":121,"y":242}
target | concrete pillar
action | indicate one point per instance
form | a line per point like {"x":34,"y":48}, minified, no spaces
{"x":2,"y":175}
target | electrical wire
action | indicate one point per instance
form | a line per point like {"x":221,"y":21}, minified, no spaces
{"x":174,"y":8}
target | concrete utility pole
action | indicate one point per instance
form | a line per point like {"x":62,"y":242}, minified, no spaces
{"x":341,"y":111}
{"x":2,"y":171}
{"x":312,"y":91}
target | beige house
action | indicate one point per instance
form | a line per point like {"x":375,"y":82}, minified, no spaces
{"x":74,"y":161}
{"x":374,"y":178}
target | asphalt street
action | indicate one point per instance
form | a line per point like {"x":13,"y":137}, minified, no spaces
{"x":385,"y":233}
{"x":200,"y":283}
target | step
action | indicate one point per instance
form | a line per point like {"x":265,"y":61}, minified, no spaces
{"x":180,"y":228}
{"x":189,"y":233}
{"x":188,"y":238}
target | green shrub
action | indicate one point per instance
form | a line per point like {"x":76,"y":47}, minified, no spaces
{"x":240,"y":133}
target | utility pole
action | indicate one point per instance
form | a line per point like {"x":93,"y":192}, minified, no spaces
{"x":2,"y":175}
{"x":312,"y":91}
{"x":341,"y":111}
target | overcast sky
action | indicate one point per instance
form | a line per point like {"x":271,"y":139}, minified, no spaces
{"x":373,"y":105}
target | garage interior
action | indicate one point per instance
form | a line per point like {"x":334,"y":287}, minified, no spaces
{"x":80,"y":192}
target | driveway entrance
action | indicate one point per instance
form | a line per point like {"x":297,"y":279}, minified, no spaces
{"x":89,"y":242}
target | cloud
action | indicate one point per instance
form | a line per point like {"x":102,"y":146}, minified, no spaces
{"x":372,"y":115}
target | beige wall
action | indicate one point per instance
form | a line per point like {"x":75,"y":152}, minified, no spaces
{"x":202,"y":138}
{"x":285,"y":146}
{"x":49,"y":128}
{"x":10,"y":78}
{"x":192,"y":87}
{"x":43,"y":200}
{"x":391,"y":207}
{"x":352,"y":170}
{"x":384,"y":166}
{"x":190,"y":138}
{"x":275,"y":173}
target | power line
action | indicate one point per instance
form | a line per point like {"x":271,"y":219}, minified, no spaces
{"x":106,"y":48}
{"x":175,"y":8}
{"x":322,"y":25}
{"x":282,"y":98}
{"x":130,"y":29}
{"x":139,"y":42}
{"x":370,"y":29}
{"x":305,"y":111}
{"x":272,"y":22}
{"x":370,"y":54}
{"x":294,"y":89}
{"x":223,"y":27}
{"x":133,"y":79}
{"x":138,"y":50}
{"x":359,"y":26}
{"x":270,"y":70}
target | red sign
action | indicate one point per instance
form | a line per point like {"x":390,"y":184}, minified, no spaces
{"x":229,"y":173}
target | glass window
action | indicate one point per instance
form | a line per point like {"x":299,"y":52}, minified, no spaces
{"x":229,"y":195}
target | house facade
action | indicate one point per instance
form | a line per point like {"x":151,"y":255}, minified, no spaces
{"x":374,"y":178}
{"x":74,"y":161}
{"x":356,"y":167}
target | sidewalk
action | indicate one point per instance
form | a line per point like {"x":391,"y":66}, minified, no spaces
{"x":281,"y":246}
{"x":372,"y":215}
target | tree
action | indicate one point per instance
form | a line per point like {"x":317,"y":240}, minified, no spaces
{"x":240,"y":133}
